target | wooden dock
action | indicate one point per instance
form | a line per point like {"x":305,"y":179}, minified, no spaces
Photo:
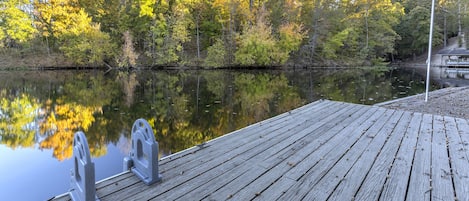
{"x":325,"y":150}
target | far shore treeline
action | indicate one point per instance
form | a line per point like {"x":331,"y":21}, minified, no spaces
{"x":222,"y":33}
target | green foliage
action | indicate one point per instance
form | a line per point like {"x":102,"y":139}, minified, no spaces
{"x":216,"y":55}
{"x":335,"y":43}
{"x":256,"y":47}
{"x":415,"y":28}
{"x":89,"y":47}
{"x":291,"y":36}
{"x":169,"y":28}
{"x":375,"y":20}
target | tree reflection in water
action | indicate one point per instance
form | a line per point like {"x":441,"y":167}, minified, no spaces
{"x":185,"y":108}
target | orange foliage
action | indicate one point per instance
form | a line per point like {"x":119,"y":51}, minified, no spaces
{"x":63,"y":122}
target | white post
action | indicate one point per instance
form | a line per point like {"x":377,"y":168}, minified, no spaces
{"x":429,"y":51}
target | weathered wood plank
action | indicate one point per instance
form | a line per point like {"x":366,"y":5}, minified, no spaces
{"x":459,"y":160}
{"x":322,"y":151}
{"x":330,"y":155}
{"x":419,"y":184}
{"x":266,"y":149}
{"x":319,"y":126}
{"x":208,"y":162}
{"x":209,"y":186}
{"x":117,"y":184}
{"x":64,"y":197}
{"x":442,"y":181}
{"x":395,"y":187}
{"x":373,"y":184}
{"x":234,"y":186}
{"x":302,"y":160}
{"x":342,"y":180}
{"x":265,"y":175}
{"x":112,"y":180}
{"x":463,"y":129}
{"x":299,"y":150}
{"x":304,"y":136}
{"x":279,"y":165}
{"x":275,"y":190}
{"x":339,"y":144}
{"x":279,"y":121}
{"x":246,"y":136}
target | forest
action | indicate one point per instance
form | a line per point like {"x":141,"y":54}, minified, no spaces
{"x":225,"y":33}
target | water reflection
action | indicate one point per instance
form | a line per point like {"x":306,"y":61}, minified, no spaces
{"x":185,"y":108}
{"x":40,"y":111}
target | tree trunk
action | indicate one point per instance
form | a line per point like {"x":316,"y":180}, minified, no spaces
{"x":198,"y":38}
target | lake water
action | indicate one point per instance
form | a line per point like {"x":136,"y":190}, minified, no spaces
{"x":41,"y":110}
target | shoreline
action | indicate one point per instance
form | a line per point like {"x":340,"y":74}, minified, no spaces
{"x":451,"y":101}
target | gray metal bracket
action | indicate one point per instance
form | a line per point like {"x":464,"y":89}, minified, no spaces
{"x":83,"y":179}
{"x":143,"y":157}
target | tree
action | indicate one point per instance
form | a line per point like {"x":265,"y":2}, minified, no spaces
{"x":89,"y":47}
{"x":256,"y":46}
{"x":259,"y":46}
{"x":129,"y":56}
{"x":216,"y":55}
{"x":375,"y":20}
{"x":16,"y":26}
{"x":322,"y":18}
{"x":415,"y":28}
{"x":78,"y":37}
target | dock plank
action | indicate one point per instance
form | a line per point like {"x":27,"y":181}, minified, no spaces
{"x":336,"y":158}
{"x":342,"y":180}
{"x":267,"y":149}
{"x":325,"y":150}
{"x":419,"y":184}
{"x":277,"y":166}
{"x":298,"y":151}
{"x":458,"y":156}
{"x":282,"y":121}
{"x":210,"y":156}
{"x":275,"y":190}
{"x":395,"y":187}
{"x":335,"y":146}
{"x":244,"y":137}
{"x":373,"y":184}
{"x":248,"y":150}
{"x":463,"y":129}
{"x":442,"y":180}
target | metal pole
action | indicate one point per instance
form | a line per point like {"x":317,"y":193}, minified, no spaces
{"x":429,"y":51}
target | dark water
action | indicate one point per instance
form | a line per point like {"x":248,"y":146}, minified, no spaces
{"x":40,"y":112}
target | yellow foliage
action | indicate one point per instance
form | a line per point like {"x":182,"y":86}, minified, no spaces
{"x":15,"y":24}
{"x":16,"y":116}
{"x":64,"y":121}
{"x":61,"y":17}
{"x":146,"y":8}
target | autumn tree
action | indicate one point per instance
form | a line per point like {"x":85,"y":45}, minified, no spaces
{"x":258,"y":45}
{"x":70,"y":26}
{"x":16,"y":25}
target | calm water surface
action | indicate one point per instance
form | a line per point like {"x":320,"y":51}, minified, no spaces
{"x":40,"y":112}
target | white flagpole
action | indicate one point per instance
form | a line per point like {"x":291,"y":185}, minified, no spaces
{"x":429,"y":51}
